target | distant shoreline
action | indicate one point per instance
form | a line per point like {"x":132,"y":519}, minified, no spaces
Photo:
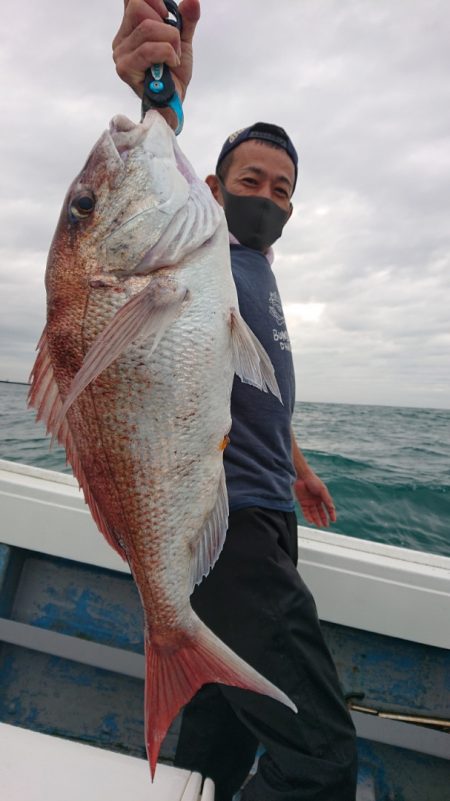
{"x":303,"y":402}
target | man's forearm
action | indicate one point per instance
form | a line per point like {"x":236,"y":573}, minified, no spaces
{"x":301,"y":466}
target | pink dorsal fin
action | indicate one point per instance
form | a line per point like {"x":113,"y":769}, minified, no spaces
{"x":45,"y":398}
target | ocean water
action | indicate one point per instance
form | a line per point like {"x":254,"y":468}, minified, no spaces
{"x":387,"y":468}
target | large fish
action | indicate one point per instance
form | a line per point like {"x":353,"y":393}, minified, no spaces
{"x":133,"y":377}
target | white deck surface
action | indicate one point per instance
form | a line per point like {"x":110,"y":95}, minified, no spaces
{"x":37,"y":767}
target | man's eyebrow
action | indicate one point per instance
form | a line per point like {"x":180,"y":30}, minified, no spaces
{"x":260,"y":172}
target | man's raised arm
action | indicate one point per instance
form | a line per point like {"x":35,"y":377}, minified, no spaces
{"x":144,"y":39}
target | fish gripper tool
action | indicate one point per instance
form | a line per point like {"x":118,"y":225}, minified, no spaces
{"x":159,"y":87}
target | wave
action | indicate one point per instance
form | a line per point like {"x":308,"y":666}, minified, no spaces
{"x":406,"y":514}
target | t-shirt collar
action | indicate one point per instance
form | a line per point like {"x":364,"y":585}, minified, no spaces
{"x":269,"y":254}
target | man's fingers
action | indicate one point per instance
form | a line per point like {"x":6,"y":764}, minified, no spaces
{"x":132,"y":67}
{"x":150,"y":32}
{"x":327,"y":502}
{"x":136,"y":11}
{"x":329,"y":506}
{"x":316,"y":514}
{"x":190,"y":11}
{"x":311,"y":513}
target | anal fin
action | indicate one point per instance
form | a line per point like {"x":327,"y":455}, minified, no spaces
{"x":207,"y":548}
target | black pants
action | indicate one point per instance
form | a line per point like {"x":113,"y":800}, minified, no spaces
{"x":255,"y":600}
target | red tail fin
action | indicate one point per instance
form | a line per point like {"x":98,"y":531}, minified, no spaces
{"x":174,"y":676}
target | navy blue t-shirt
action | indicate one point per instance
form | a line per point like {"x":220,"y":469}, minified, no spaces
{"x":258,"y":460}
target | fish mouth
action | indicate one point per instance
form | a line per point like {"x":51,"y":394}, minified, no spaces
{"x":149,"y":149}
{"x":127,"y":135}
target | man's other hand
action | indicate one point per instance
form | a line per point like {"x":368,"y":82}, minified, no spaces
{"x":315,"y":500}
{"x":144,"y":39}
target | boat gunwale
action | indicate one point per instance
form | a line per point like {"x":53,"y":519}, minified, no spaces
{"x":357,"y":583}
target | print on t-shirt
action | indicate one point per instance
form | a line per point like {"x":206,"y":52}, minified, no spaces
{"x":276,"y":311}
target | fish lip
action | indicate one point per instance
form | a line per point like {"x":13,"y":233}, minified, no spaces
{"x":126,"y":135}
{"x":114,"y":146}
{"x":122,"y":124}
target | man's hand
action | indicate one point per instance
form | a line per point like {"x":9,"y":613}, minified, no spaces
{"x":315,"y":500}
{"x":144,"y":39}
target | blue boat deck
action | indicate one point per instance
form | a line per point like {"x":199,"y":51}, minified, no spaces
{"x":71,"y":664}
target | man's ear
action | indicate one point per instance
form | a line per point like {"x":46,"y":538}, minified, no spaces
{"x":291,"y":209}
{"x":214,"y":185}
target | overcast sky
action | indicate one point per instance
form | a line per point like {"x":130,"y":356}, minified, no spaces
{"x":363,"y":88}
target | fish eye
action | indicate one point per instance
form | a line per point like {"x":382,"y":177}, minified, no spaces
{"x":82,"y":205}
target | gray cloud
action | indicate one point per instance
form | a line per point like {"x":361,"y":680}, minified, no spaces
{"x":363,"y":89}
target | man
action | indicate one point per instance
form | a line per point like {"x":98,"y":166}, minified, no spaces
{"x":254,"y":598}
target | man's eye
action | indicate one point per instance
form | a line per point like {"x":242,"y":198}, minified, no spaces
{"x":251,"y":181}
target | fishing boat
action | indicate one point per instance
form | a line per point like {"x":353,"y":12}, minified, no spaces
{"x":72,"y":665}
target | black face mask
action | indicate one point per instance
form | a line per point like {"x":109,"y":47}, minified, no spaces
{"x":256,"y":222}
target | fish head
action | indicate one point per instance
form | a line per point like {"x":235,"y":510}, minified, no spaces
{"x":123,"y":200}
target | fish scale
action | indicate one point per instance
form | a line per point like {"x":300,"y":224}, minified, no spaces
{"x":134,"y":376}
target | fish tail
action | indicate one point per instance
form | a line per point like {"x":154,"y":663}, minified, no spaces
{"x":173,"y":676}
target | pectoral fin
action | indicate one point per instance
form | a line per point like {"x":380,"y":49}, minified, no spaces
{"x":251,"y":362}
{"x":146,"y":314}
